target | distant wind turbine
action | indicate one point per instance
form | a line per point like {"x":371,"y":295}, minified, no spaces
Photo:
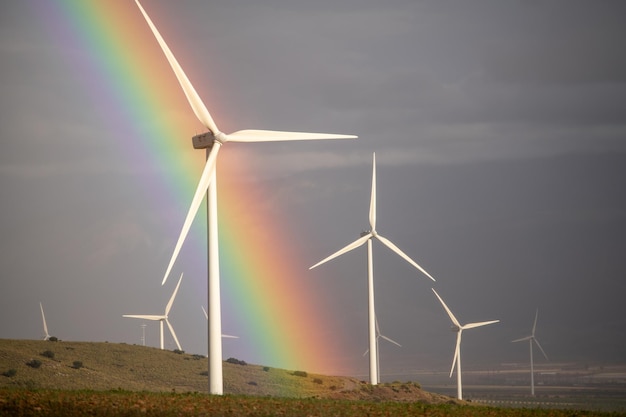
{"x":530,"y":339}
{"x":367,"y":237}
{"x":378,"y":336}
{"x":212,"y":141}
{"x":458,"y":328}
{"x":45,"y":326}
{"x":227,"y":336}
{"x":162,"y":318}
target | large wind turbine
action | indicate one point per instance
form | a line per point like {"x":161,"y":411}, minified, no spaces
{"x":458,"y":328}
{"x":212,"y":141}
{"x":530,"y":339}
{"x":162,"y":318}
{"x":45,"y":326}
{"x":378,"y":336}
{"x":367,"y":237}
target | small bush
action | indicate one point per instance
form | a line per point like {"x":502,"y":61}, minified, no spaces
{"x":318,"y":381}
{"x":204,"y":373}
{"x":180,"y":352}
{"x":10,"y":373}
{"x":252,"y":383}
{"x":53,"y":339}
{"x":198,"y":357}
{"x":77,"y":364}
{"x":266,"y":368}
{"x":300,"y":373}
{"x":34,"y":363}
{"x":236,"y":361}
{"x":48,"y":354}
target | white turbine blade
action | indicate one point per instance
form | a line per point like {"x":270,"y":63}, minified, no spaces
{"x":203,"y":184}
{"x":522,"y":339}
{"x":540,"y":348}
{"x":194,"y":100}
{"x":390,"y":340}
{"x":535,"y":323}
{"x":347,"y":248}
{"x":145,"y":317}
{"x":397,"y":250}
{"x":45,"y":326}
{"x":173,"y":333}
{"x":482,"y":323}
{"x":205,"y":313}
{"x":366,"y":352}
{"x":457,"y":351}
{"x":227,"y":336}
{"x":277,"y":136}
{"x":171,"y":301}
{"x":454,"y":320}
{"x":373,"y":195}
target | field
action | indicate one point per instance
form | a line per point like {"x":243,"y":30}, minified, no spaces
{"x":103,"y":379}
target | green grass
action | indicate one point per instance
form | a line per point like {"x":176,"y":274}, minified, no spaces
{"x":17,"y":403}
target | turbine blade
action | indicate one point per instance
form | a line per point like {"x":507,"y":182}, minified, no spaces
{"x":377,"y":327}
{"x":276,"y":136}
{"x":454,"y":320}
{"x":366,"y":352}
{"x":194,"y":100}
{"x":171,"y":301}
{"x":540,"y":348}
{"x":390,"y":340}
{"x":227,"y":336}
{"x":373,"y":195}
{"x":522,"y":339}
{"x":144,"y":317}
{"x":173,"y":333}
{"x":345,"y":249}
{"x":203,"y":184}
{"x":482,"y":323}
{"x":535,"y":323}
{"x":205,"y":313}
{"x":397,"y":250}
{"x":45,"y":326}
{"x":457,"y":351}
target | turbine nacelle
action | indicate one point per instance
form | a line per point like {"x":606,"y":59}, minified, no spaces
{"x":203,"y":140}
{"x":455,"y":328}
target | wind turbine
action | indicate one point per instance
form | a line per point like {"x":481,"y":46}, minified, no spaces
{"x":367,"y":237}
{"x":530,"y":339}
{"x":45,"y":326}
{"x":162,"y":318}
{"x":212,"y":141}
{"x":458,"y":328}
{"x":227,"y":336}
{"x":378,"y":336}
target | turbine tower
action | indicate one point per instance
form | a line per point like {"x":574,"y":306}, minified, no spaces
{"x":368,"y":237}
{"x":45,"y":326}
{"x":162,"y":318}
{"x":378,"y":336}
{"x":226,"y":336}
{"x":458,"y":328}
{"x":212,"y":141}
{"x":530,"y":339}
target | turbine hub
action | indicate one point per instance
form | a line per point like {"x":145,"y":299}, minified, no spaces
{"x":455,"y":328}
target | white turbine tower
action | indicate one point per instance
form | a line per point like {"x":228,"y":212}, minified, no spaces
{"x":367,"y":237}
{"x":530,"y":339}
{"x":378,"y":336}
{"x":226,"y":336}
{"x":162,"y":318}
{"x":212,"y":141}
{"x":458,"y":328}
{"x":45,"y":326}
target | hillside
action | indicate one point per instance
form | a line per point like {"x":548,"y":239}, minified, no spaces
{"x":111,"y":366}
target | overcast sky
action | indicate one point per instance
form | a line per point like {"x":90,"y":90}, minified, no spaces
{"x":500,"y":135}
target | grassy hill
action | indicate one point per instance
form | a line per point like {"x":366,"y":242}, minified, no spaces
{"x":111,"y":366}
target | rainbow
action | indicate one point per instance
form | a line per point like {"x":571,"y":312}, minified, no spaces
{"x":117,"y":60}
